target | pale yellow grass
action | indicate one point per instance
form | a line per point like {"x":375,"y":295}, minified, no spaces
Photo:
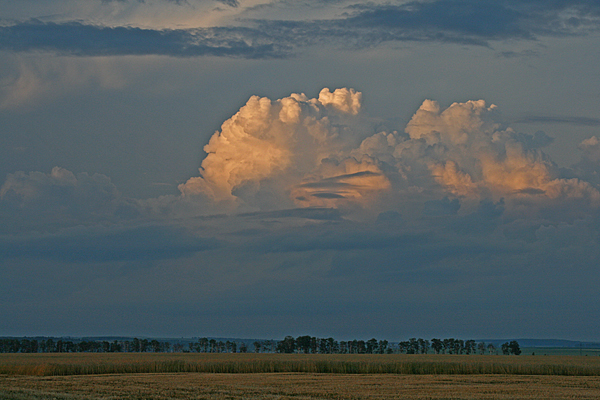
{"x":99,"y":363}
{"x":297,"y":386}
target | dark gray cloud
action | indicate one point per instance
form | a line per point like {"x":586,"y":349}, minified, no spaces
{"x":314,"y":213}
{"x":536,"y":141}
{"x":485,"y":219}
{"x":230,"y":3}
{"x":106,"y":244}
{"x":363,"y":25}
{"x":90,"y":40}
{"x":441,"y":207}
{"x":481,"y":19}
{"x":452,"y":21}
{"x":60,"y":199}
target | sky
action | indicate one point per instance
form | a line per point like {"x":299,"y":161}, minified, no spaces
{"x":263,"y":168}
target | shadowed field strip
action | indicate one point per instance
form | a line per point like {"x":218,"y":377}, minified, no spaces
{"x":296,"y":386}
{"x":135,"y":363}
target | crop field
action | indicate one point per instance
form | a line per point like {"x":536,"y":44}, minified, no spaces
{"x":560,"y":351}
{"x":138,"y":376}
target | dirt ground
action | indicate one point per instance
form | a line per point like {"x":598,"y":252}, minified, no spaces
{"x":298,"y":386}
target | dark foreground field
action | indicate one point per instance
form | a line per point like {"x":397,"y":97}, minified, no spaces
{"x":299,"y":386}
{"x":143,"y":376}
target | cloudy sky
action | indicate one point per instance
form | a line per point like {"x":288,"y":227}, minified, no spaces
{"x":259,"y":168}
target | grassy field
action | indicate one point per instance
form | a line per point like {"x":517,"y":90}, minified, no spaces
{"x":54,"y":364}
{"x":560,"y":351}
{"x":151,"y":376}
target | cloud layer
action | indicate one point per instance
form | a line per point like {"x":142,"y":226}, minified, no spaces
{"x":360,"y":25}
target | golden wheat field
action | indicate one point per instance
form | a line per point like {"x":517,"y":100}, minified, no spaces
{"x":291,"y":376}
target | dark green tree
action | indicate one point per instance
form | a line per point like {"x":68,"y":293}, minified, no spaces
{"x":372,"y":346}
{"x":303,"y":343}
{"x":514,"y":348}
{"x":287,"y":345}
{"x":437,"y":345}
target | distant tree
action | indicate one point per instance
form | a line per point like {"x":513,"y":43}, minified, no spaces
{"x":491,"y":348}
{"x":514,"y":348}
{"x":372,"y":346}
{"x":403,"y":347}
{"x":203,"y":344}
{"x":333,"y":346}
{"x":383,"y":346}
{"x":470,"y":346}
{"x":448,"y":346}
{"x":437,"y":345}
{"x":177,"y":347}
{"x":136,"y":345}
{"x":115,"y":347}
{"x":303,"y":343}
{"x":221,"y":347}
{"x":505,"y":348}
{"x":269,"y":346}
{"x":287,"y":345}
{"x":257,"y":346}
{"x":459,"y":346}
{"x":413,"y":346}
{"x":481,"y":347}
{"x":343,"y":347}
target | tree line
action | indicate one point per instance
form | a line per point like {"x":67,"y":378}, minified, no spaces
{"x":302,"y":345}
{"x":313,"y":345}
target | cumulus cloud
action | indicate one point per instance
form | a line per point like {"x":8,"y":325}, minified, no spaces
{"x":297,"y":148}
{"x":471,"y":155}
{"x":322,"y":152}
{"x":588,"y":168}
{"x":326,"y":153}
{"x":591,"y":148}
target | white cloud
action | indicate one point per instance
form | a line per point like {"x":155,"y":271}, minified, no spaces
{"x":285,"y":144}
{"x":591,"y":149}
{"x":322,"y":153}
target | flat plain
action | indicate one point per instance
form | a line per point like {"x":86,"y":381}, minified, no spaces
{"x":37,"y":377}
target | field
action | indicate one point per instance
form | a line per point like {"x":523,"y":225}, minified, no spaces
{"x":561,"y":351}
{"x":281,"y":376}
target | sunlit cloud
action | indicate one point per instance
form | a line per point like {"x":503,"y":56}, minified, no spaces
{"x":321,"y":152}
